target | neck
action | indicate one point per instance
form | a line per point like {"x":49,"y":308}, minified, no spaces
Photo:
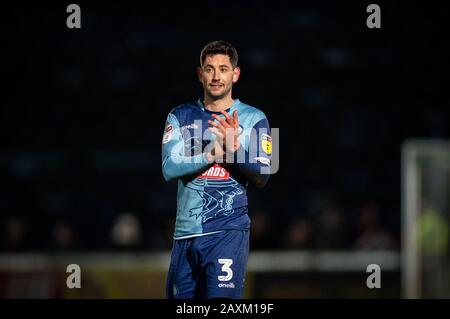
{"x":219,"y":104}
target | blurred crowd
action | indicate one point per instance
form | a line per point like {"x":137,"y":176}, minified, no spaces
{"x":326,"y":226}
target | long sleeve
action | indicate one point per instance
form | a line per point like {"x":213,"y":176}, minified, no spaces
{"x":253,"y":158}
{"x":174,"y":162}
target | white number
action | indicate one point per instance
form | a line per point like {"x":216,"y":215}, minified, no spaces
{"x":226,"y":263}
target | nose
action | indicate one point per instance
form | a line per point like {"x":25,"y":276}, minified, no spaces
{"x":216,"y":76}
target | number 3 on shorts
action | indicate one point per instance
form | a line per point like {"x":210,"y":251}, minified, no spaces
{"x":226,"y":263}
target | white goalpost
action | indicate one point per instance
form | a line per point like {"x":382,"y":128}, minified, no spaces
{"x":425,"y":219}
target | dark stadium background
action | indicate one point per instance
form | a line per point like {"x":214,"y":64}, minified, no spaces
{"x":83,"y":113}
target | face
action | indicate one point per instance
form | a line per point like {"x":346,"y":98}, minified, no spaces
{"x":218,"y":75}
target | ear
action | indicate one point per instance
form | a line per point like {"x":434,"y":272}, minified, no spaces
{"x":199,"y":74}
{"x":236,"y":74}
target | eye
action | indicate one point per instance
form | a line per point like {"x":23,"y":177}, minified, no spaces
{"x":223,"y":70}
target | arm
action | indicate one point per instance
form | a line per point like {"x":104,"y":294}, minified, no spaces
{"x":174,"y":163}
{"x":255,"y":158}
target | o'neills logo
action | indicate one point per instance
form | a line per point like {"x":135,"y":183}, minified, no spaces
{"x":230,"y":285}
{"x":215,"y":172}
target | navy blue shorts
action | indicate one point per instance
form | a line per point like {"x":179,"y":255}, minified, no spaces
{"x":210,"y":266}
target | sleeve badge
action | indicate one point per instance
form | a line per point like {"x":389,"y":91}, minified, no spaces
{"x":266,"y":143}
{"x":167,"y":134}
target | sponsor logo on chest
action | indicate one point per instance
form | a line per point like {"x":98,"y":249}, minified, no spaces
{"x":215,"y":172}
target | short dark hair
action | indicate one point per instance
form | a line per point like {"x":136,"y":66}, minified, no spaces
{"x":219,"y":47}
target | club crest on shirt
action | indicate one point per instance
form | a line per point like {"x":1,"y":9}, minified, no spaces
{"x":167,"y":133}
{"x":266,"y":144}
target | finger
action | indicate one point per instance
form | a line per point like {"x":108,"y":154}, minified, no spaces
{"x":235,"y":118}
{"x":218,"y":152}
{"x":218,"y":147}
{"x":218,"y":126}
{"x":230,"y":134}
{"x":228,"y":117}
{"x":221,"y":139}
{"x":216,"y":132}
{"x":213,"y":123}
{"x":221,"y":120}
